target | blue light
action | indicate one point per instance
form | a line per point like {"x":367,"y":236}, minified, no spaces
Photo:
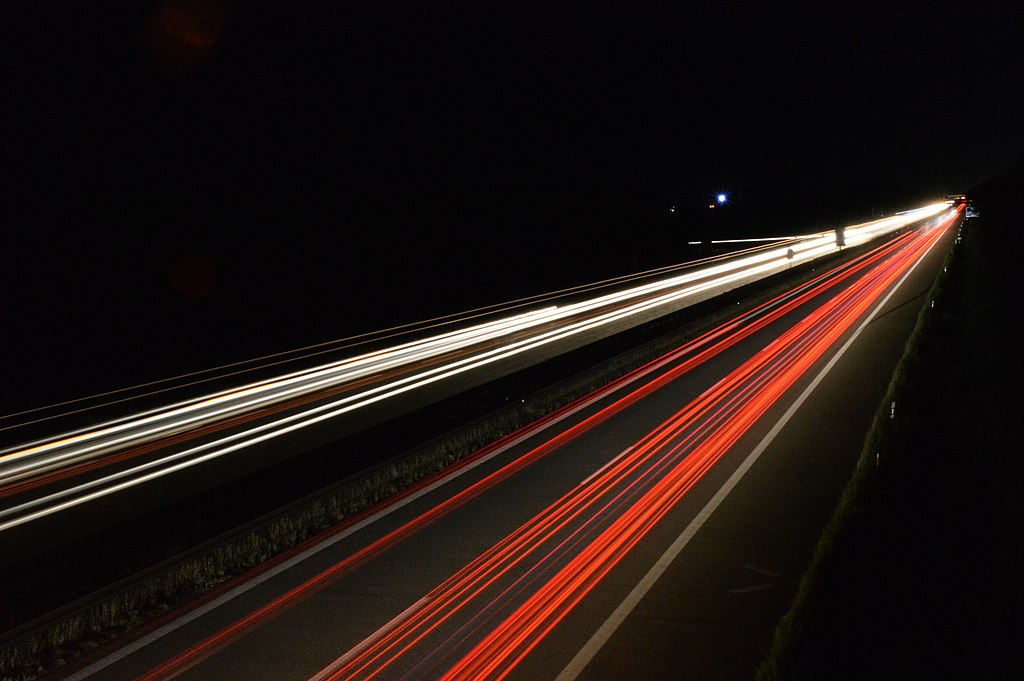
{"x":721,"y":198}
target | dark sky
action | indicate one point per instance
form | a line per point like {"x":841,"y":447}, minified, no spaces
{"x":663,"y":96}
{"x":191,"y":172}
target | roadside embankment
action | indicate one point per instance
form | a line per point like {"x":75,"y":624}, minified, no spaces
{"x":918,"y":573}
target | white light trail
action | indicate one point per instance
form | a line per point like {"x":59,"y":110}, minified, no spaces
{"x":461,"y":351}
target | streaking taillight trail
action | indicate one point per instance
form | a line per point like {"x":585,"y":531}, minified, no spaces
{"x":486,"y":618}
{"x":668,"y":463}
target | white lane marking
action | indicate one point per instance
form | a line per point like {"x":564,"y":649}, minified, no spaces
{"x":604,"y":467}
{"x":368,"y":641}
{"x":601,"y":636}
{"x":749,"y":589}
{"x":762,"y":571}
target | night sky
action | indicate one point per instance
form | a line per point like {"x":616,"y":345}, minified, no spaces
{"x":195,"y":181}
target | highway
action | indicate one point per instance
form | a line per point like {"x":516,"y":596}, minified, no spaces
{"x":635,"y":533}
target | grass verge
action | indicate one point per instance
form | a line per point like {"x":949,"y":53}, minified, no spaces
{"x":891,"y":434}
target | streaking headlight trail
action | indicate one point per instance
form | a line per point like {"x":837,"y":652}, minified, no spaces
{"x":302,"y":399}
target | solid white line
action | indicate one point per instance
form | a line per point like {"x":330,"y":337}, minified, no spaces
{"x":601,"y":636}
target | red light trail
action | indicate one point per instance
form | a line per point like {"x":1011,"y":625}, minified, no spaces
{"x":519,"y":590}
{"x":761,"y":381}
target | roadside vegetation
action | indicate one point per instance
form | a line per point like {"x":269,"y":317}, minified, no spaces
{"x":883,"y":444}
{"x":917,"y":573}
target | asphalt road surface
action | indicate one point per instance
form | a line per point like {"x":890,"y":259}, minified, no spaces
{"x":656,"y":529}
